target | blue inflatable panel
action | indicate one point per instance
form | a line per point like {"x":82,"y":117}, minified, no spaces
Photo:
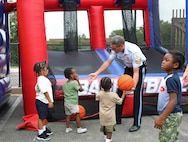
{"x":1,"y":40}
{"x":2,"y":10}
{"x":115,"y":68}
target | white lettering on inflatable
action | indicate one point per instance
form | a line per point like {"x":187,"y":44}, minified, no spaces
{"x":93,"y":88}
{"x":152,"y":85}
{"x":85,"y":86}
{"x":114,"y":86}
{"x":184,"y":88}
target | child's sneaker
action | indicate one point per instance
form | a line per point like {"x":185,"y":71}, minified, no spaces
{"x":81,"y":130}
{"x":68,"y":130}
{"x":48,"y":132}
{"x":43,"y":137}
{"x":108,"y":140}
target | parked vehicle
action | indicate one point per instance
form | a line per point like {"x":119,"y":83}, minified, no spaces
{"x":5,"y":85}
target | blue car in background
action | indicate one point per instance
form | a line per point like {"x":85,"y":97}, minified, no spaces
{"x":5,"y":90}
{"x":5,"y":85}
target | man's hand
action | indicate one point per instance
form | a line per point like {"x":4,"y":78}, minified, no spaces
{"x":92,"y":76}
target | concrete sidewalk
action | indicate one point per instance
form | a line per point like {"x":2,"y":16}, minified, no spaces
{"x":147,"y":133}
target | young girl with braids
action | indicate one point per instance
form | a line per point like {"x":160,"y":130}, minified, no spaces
{"x":44,"y":99}
{"x":107,"y":104}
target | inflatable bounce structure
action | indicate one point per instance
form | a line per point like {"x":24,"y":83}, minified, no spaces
{"x":33,"y":46}
{"x":5,"y":85}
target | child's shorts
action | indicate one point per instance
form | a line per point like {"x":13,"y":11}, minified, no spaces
{"x":71,"y":109}
{"x":42,"y":109}
{"x":110,"y":128}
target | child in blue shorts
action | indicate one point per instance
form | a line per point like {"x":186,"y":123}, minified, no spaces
{"x":44,"y":99}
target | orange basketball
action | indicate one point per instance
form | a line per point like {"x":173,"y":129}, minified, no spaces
{"x":125,"y":82}
{"x":82,"y":113}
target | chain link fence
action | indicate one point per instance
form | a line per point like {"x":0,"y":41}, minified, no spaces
{"x":15,"y":77}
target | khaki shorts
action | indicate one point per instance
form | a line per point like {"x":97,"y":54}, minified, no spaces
{"x":110,"y":128}
{"x":71,"y":109}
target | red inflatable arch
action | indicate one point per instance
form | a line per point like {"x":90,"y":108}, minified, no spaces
{"x":32,"y":37}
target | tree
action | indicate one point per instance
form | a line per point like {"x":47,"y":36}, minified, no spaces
{"x":116,"y":32}
{"x":165,"y":30}
{"x":139,"y":34}
{"x":14,"y":49}
{"x":83,"y":42}
{"x":53,"y":44}
{"x":165,"y":34}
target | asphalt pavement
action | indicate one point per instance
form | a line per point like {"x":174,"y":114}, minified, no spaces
{"x":11,"y":116}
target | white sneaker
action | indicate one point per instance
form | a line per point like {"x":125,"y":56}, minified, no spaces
{"x":81,"y":130}
{"x":108,"y":140}
{"x":68,"y":130}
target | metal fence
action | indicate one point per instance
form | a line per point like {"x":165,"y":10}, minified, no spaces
{"x":15,"y":77}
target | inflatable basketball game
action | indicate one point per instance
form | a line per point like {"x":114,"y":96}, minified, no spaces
{"x":33,"y":48}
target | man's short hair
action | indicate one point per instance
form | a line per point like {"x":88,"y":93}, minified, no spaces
{"x":118,"y":40}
